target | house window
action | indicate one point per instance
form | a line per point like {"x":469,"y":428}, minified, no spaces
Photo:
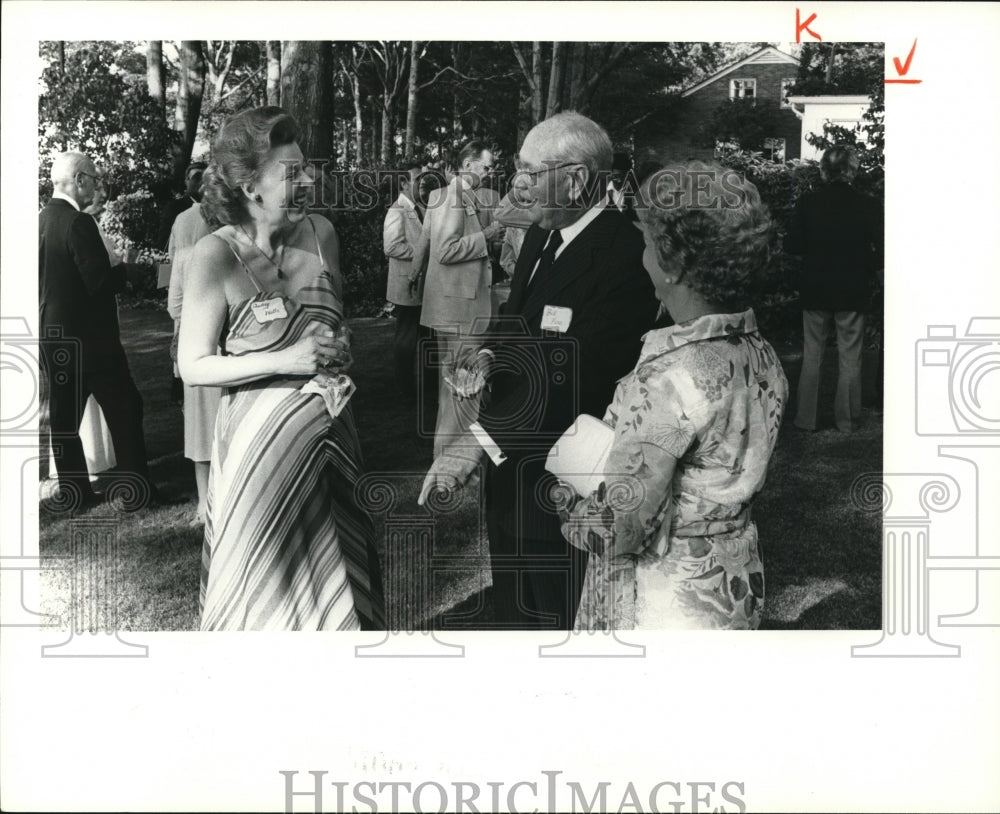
{"x":786,"y":87}
{"x":742,"y":89}
{"x":774,"y":148}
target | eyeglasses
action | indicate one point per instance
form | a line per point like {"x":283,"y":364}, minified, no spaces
{"x":97,"y":178}
{"x":533,"y":174}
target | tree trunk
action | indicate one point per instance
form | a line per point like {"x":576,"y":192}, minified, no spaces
{"x":829,"y":63}
{"x":456,"y":102}
{"x":373,"y":131}
{"x":538,"y":92}
{"x":411,"y":102}
{"x":385,"y":155}
{"x":62,"y":58}
{"x":359,"y":130}
{"x":307,"y":93}
{"x":556,"y":79}
{"x":577,"y":78}
{"x":156,"y":77}
{"x":190,"y":92}
{"x":274,"y":72}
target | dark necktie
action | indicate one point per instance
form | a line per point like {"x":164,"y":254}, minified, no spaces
{"x":547,"y":259}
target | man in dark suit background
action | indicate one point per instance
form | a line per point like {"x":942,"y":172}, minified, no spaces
{"x":837,"y":232}
{"x":191,"y":196}
{"x":78,"y":320}
{"x":580,"y":302}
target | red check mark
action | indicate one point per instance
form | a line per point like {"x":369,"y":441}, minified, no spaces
{"x":903,"y":68}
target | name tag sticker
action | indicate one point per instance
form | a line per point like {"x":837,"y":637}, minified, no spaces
{"x":556,"y":318}
{"x":269,"y":310}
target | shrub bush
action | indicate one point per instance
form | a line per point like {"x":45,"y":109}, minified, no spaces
{"x":362,"y":262}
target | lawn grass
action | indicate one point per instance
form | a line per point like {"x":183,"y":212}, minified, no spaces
{"x":822,"y":555}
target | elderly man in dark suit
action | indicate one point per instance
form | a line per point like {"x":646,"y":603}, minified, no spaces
{"x":81,"y":349}
{"x":580,"y":302}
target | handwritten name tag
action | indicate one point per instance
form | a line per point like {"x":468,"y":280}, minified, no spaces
{"x":556,"y":318}
{"x":269,"y":310}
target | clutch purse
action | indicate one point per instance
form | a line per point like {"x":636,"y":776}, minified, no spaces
{"x":580,"y":456}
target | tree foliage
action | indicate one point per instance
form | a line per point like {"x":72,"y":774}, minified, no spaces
{"x":143,"y":110}
{"x":100,"y":105}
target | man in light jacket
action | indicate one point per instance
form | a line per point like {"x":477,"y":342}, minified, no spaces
{"x":457,"y":297}
{"x":400,"y":235}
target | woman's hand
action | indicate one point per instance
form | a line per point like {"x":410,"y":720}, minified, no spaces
{"x":320,"y":352}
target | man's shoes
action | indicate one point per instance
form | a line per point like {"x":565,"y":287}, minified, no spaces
{"x":129,"y":494}
{"x":69,"y":502}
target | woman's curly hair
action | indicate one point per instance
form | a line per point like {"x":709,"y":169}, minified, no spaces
{"x":238,"y":152}
{"x":711,"y":231}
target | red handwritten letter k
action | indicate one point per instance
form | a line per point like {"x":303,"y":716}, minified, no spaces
{"x":800,"y":27}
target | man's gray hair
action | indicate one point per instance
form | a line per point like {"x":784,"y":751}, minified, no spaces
{"x":571,"y":136}
{"x":67,"y":165}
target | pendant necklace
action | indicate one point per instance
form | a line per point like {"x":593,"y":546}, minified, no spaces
{"x":260,"y":251}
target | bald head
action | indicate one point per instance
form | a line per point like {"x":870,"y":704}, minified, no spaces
{"x":75,"y":175}
{"x":564,"y":158}
{"x":570,"y":137}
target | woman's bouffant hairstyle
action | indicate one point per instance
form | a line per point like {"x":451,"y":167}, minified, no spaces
{"x":711,"y":231}
{"x":238,"y":151}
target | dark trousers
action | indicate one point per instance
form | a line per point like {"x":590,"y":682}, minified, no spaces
{"x":404,"y":346}
{"x":119,"y":399}
{"x":537,"y":583}
{"x":412,"y":354}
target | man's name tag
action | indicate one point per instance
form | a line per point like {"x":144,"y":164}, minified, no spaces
{"x":269,"y":310}
{"x":556,"y":318}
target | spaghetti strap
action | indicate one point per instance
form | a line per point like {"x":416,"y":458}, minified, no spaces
{"x":319,"y":250}
{"x":246,"y":268}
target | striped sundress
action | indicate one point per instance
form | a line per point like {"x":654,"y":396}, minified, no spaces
{"x":287,"y":547}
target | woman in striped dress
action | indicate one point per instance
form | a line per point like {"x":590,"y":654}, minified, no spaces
{"x":287,"y":547}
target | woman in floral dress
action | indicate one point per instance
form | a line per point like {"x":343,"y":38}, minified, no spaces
{"x":695,"y":423}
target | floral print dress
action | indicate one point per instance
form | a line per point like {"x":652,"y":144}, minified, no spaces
{"x":669,"y":530}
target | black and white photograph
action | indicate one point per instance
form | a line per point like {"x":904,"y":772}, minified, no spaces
{"x":500,"y":357}
{"x":381,"y":223}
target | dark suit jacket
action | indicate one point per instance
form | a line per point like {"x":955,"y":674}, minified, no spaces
{"x":77,"y":286}
{"x":838,"y":233}
{"x":542,"y":382}
{"x":170,"y":213}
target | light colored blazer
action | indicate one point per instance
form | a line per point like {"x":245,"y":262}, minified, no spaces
{"x":400,"y":234}
{"x":457,"y":286}
{"x":188,"y":229}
